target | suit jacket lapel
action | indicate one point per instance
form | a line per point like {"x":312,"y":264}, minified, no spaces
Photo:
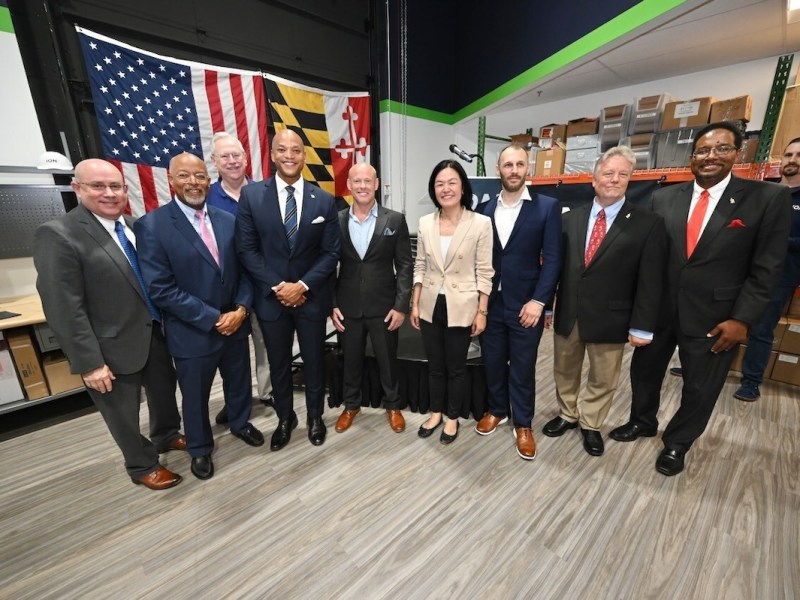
{"x":620,"y":222}
{"x":380,"y":225}
{"x":220,"y":233}
{"x":436,"y":242}
{"x":347,"y":241}
{"x":721,"y":215}
{"x":681,"y":201}
{"x":524,"y":212}
{"x":308,"y":214}
{"x":463,"y":227}
{"x":100,"y":235}
{"x":182,"y":224}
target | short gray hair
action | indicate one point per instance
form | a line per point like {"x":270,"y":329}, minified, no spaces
{"x":224,"y":135}
{"x":622,"y":151}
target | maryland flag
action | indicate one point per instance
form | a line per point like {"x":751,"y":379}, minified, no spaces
{"x":334,"y":127}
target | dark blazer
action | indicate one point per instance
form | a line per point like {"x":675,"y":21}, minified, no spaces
{"x":90,"y":295}
{"x":524,"y":272}
{"x":622,"y":286}
{"x":185,"y":282}
{"x":381,"y":281}
{"x":264,"y":250}
{"x":735,"y":267}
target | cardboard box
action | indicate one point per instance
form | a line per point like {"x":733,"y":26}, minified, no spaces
{"x":556,"y":132}
{"x":734,"y":109}
{"x":550,"y":162}
{"x":794,"y":305}
{"x":788,"y":122}
{"x":26,"y":359}
{"x":790,"y":341}
{"x":59,"y":378}
{"x":689,"y":113}
{"x":525,"y":139}
{"x":582,"y":126}
{"x":647,"y":113}
{"x":778,"y":333}
{"x":10,"y":389}
{"x":786,"y":368}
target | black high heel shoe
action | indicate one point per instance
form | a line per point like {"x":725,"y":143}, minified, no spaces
{"x":425,"y":433}
{"x":449,"y":439}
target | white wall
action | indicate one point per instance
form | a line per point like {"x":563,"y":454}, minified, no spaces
{"x":22,"y":146}
{"x":753,"y":78}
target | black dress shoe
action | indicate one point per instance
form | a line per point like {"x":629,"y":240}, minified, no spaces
{"x":592,"y":442}
{"x":445,"y":438}
{"x":222,"y":416}
{"x":203,"y":467}
{"x":631,"y":431}
{"x":268,"y":401}
{"x":425,"y":433}
{"x":250,"y":435}
{"x":557,"y":427}
{"x":670,"y":462}
{"x":283,"y":433}
{"x":316,"y":431}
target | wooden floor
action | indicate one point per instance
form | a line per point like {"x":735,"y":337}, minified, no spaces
{"x":374,"y":514}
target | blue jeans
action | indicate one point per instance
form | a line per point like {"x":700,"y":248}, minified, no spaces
{"x":759,"y":344}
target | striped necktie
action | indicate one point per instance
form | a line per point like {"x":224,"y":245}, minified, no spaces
{"x":290,"y":220}
{"x":133,"y":259}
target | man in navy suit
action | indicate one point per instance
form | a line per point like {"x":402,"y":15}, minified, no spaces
{"x":288,"y":240}
{"x":727,"y":240}
{"x":526,"y":261}
{"x":189,"y":263}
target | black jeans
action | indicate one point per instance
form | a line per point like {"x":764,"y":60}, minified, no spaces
{"x":446,"y":349}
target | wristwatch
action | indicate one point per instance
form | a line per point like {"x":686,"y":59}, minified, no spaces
{"x":244,"y":308}
{"x":485,"y":313}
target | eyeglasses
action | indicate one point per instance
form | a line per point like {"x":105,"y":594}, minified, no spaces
{"x":230,"y":156}
{"x":198,"y":177}
{"x":96,"y":186}
{"x":723,"y":150}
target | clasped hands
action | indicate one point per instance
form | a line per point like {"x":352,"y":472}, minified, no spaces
{"x":290,"y":294}
{"x":229,"y":322}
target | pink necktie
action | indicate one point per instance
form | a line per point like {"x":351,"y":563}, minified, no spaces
{"x":596,"y":237}
{"x":695,"y":223}
{"x":205,"y":234}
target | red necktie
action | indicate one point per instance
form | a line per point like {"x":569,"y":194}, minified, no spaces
{"x":205,"y":234}
{"x":596,"y":237}
{"x":695,"y":224}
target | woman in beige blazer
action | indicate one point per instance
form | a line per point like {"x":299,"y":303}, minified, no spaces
{"x":452,"y":281}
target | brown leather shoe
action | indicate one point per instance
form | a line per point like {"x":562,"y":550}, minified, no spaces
{"x":160,"y":479}
{"x":178,"y":443}
{"x":489,"y":423}
{"x":346,"y":419}
{"x":396,"y":420}
{"x":526,"y":445}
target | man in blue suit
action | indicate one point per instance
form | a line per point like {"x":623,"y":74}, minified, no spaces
{"x":526,"y":261}
{"x":288,"y":239}
{"x":188,"y":260}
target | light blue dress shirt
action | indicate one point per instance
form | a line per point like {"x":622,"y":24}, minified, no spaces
{"x":361,"y":231}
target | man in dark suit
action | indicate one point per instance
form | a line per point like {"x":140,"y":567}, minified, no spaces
{"x":95,"y":302}
{"x":193,"y":275}
{"x":288,"y":239}
{"x":608,"y":294}
{"x":372,"y":293}
{"x":727,"y":241}
{"x":526,"y":260}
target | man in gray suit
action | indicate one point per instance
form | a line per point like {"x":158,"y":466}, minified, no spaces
{"x":372,"y":294}
{"x":94,"y":300}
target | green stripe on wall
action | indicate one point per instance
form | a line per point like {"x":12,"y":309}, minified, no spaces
{"x":642,"y":13}
{"x":5,"y":20}
{"x":415,"y":111}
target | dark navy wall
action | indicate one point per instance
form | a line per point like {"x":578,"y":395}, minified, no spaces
{"x":459,"y":51}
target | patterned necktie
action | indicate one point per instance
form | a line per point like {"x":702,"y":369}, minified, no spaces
{"x":596,"y":237}
{"x":206,"y":236}
{"x":290,"y":220}
{"x":695,"y":223}
{"x":133,"y":259}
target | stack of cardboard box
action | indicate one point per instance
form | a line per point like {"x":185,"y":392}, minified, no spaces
{"x":583,"y":145}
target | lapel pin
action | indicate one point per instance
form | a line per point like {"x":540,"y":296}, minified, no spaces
{"x":628,"y":216}
{"x":732,"y":201}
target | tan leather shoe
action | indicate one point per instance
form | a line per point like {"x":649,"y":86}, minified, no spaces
{"x":346,"y":419}
{"x":396,"y":420}
{"x":489,"y":423}
{"x":526,"y":445}
{"x":160,"y":479}
{"x":177,"y":444}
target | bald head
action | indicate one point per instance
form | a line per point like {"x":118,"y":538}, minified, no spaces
{"x":98,"y":185}
{"x":189,"y":178}
{"x":289,"y":155}
{"x":362,"y":181}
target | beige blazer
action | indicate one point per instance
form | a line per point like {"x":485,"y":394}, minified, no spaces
{"x":465,"y":271}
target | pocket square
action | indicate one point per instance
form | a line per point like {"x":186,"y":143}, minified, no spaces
{"x":736,"y":223}
{"x":319,"y":219}
{"x":388,"y":231}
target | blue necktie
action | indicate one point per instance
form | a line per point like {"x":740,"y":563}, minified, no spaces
{"x":130,"y":252}
{"x":290,"y":220}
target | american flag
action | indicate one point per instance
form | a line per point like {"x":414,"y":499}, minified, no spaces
{"x":150,"y":108}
